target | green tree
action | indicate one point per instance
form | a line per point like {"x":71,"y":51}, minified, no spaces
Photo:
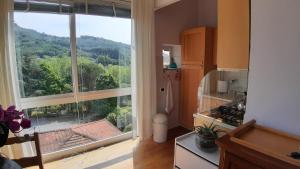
{"x":121,"y":74}
{"x":121,"y":117}
{"x":106,"y":82}
{"x":29,"y":75}
{"x":50,"y":82}
{"x":56,"y":75}
{"x":88,"y":72}
{"x":106,"y":60}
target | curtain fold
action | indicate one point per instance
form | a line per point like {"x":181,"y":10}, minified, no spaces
{"x":6,"y":85}
{"x":143,"y":65}
{"x":7,"y":91}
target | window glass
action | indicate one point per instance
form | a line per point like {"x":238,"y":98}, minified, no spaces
{"x":166,"y":58}
{"x":44,"y":66}
{"x":42,"y":43}
{"x":103,"y":52}
{"x":68,"y":125}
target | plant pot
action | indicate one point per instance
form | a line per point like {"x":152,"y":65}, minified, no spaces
{"x":4,"y":131}
{"x":206,"y":142}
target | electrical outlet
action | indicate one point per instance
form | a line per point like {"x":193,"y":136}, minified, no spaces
{"x":162,"y":89}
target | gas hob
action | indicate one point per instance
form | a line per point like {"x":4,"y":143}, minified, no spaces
{"x":228,"y":114}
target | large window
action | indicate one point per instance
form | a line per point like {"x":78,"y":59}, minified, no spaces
{"x":73,"y":76}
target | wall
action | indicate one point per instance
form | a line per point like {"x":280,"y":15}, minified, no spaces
{"x":274,"y":81}
{"x":169,"y":22}
{"x":207,"y":13}
{"x":173,"y":19}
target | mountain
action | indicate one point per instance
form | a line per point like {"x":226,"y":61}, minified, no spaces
{"x":31,"y":42}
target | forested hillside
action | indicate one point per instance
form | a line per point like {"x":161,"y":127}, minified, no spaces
{"x":42,"y":45}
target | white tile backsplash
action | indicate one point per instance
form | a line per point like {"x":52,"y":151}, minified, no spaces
{"x":237,"y":80}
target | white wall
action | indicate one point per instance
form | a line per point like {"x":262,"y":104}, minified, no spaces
{"x":274,"y":77}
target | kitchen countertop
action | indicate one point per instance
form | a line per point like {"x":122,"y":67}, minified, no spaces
{"x":187,"y":142}
{"x":224,"y":97}
{"x":204,"y":117}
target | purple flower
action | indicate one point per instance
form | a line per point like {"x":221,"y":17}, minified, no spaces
{"x":8,"y":116}
{"x":11,"y":108}
{"x":25,"y":123}
{"x":14,"y":119}
{"x":14,"y":126}
{"x":21,"y":113}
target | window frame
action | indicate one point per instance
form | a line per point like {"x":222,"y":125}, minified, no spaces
{"x":73,"y":97}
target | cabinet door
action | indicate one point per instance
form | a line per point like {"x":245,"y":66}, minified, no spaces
{"x":193,"y":46}
{"x":238,"y":163}
{"x":190,"y":80}
{"x":233,"y":34}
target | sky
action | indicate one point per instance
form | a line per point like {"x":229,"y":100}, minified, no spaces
{"x":116,"y":29}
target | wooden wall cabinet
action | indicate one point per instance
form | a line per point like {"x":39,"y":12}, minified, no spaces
{"x":252,"y":146}
{"x":190,"y":78}
{"x":197,"y":60}
{"x":233,"y":34}
{"x":197,"y":46}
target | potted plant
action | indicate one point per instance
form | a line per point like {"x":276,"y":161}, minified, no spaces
{"x":13,"y":120}
{"x":206,"y":136}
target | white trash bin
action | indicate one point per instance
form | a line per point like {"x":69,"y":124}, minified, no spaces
{"x":160,"y":127}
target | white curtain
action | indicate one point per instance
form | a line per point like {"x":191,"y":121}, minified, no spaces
{"x":143,"y":65}
{"x":7,"y":68}
{"x":6,"y":84}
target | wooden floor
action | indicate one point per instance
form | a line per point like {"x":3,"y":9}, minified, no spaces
{"x":130,"y":154}
{"x":151,"y":155}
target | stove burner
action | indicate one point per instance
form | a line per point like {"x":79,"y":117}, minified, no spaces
{"x":229,"y":114}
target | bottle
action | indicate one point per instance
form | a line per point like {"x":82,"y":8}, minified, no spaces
{"x":172,"y":65}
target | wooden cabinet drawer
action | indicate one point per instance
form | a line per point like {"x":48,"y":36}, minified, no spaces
{"x":184,"y":159}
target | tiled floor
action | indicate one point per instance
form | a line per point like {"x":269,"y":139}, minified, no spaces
{"x":130,"y":154}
